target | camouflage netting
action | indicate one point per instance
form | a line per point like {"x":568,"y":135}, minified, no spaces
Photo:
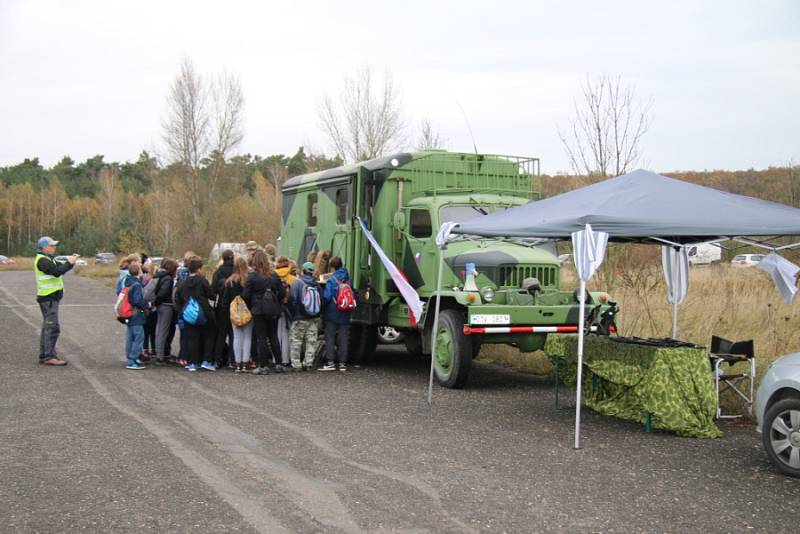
{"x":627,"y":381}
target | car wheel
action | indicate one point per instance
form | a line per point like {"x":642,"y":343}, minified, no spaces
{"x":388,"y":335}
{"x":781,"y":435}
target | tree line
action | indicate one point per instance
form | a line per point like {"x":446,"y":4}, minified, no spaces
{"x":144,"y":206}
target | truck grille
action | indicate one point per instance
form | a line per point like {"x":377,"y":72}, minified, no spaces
{"x":514,"y":275}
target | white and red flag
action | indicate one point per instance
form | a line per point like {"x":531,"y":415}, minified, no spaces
{"x":409,"y":294}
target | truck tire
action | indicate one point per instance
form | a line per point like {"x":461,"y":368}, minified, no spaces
{"x":363,"y":340}
{"x":453,"y":351}
{"x":780,"y":436}
{"x":413,"y":343}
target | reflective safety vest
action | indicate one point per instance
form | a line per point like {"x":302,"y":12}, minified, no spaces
{"x":46,"y":284}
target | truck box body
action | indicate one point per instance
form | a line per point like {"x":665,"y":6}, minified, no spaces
{"x":404,"y":199}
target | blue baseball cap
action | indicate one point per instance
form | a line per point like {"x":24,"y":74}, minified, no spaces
{"x":46,"y":241}
{"x":308,"y":267}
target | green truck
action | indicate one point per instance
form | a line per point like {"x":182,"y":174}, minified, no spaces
{"x":494,"y":291}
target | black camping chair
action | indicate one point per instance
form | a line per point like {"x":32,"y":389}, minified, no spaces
{"x":728,"y":352}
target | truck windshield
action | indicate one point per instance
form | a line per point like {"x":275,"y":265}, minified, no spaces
{"x":465,"y":213}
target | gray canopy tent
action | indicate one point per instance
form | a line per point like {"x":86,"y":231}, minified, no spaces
{"x":639,"y":207}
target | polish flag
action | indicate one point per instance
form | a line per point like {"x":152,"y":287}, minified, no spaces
{"x":409,"y":294}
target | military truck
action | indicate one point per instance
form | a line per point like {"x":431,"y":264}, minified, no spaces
{"x":512,"y":294}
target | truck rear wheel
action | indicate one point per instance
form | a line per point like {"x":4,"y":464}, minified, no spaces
{"x":413,"y":343}
{"x":363,"y":340}
{"x":453,"y":351}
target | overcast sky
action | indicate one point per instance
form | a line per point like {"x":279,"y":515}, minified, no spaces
{"x":81,"y":78}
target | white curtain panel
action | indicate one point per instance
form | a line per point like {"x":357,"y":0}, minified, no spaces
{"x":676,"y":273}
{"x":588,"y":250}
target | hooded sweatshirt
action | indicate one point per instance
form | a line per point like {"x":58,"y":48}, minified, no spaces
{"x":198,"y":287}
{"x":330,"y":313}
{"x":285,"y":275}
{"x":221,"y":274}
{"x":136,"y":299}
{"x":163,"y":282}
{"x":296,"y":296}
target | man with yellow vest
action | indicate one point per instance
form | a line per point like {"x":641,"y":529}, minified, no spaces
{"x":49,"y":290}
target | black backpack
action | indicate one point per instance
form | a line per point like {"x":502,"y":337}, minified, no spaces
{"x":271,"y":307}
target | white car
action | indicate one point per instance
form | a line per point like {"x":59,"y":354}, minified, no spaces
{"x":777,"y":413}
{"x":80,"y":262}
{"x":747,"y":260}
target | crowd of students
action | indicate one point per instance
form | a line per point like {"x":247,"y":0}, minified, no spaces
{"x":259,"y":313}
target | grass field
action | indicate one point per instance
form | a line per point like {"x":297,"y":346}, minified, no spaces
{"x":106,"y":273}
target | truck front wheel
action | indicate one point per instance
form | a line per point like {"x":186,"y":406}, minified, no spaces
{"x":453,"y":351}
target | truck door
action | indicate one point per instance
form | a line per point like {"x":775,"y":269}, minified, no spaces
{"x":341,"y":196}
{"x":420,"y":250}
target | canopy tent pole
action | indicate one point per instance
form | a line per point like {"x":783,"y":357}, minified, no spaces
{"x":581,"y":318}
{"x":675,"y":295}
{"x":435,"y":321}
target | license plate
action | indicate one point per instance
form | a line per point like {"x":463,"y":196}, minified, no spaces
{"x":490,"y":319}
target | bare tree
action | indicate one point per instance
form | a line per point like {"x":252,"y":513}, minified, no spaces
{"x":429,"y":137}
{"x":366,"y":120}
{"x":605,"y":135}
{"x":203,"y":125}
{"x":109,"y":196}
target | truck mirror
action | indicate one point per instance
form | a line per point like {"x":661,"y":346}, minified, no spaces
{"x":400,"y":221}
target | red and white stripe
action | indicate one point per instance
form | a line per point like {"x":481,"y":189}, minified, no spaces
{"x":564,"y":329}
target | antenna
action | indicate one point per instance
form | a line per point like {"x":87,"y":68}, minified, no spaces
{"x":466,"y":120}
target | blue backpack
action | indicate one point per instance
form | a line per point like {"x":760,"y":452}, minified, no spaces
{"x":311,"y":300}
{"x":193,"y":313}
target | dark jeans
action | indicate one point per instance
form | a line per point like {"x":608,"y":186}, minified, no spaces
{"x":266,"y":333}
{"x":337,"y":338}
{"x":50,"y":329}
{"x":222,"y":349}
{"x":199,"y":342}
{"x":150,"y":331}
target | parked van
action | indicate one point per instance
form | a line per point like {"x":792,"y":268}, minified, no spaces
{"x":704,"y":253}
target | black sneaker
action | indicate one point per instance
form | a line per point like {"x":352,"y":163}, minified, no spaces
{"x":343,"y":367}
{"x":328,"y":367}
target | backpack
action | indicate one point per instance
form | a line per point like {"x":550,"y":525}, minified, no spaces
{"x":345,"y":298}
{"x":239,"y":313}
{"x":270,"y":305}
{"x":193,"y":313}
{"x":151,"y":291}
{"x":123,"y":307}
{"x":311,"y":300}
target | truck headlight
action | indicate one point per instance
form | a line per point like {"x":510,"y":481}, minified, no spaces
{"x":487,"y":294}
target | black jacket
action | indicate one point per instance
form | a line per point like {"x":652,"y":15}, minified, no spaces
{"x":198,"y":287}
{"x":49,"y":266}
{"x":230,"y":292}
{"x":222,"y":274}
{"x":163,"y":282}
{"x":255,"y":288}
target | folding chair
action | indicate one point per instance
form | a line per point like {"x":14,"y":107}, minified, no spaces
{"x":725,"y":351}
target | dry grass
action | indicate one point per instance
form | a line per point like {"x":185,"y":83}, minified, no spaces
{"x":107,"y":274}
{"x":22,"y":264}
{"x":734,"y":303}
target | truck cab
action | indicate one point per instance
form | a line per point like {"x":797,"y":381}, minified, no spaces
{"x":493,"y":290}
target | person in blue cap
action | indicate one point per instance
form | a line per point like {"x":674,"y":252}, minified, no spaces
{"x":49,"y":291}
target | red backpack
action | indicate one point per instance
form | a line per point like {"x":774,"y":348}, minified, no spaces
{"x":123,"y":307}
{"x":345,"y":298}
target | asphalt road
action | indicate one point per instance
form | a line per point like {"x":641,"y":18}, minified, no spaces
{"x":95,"y":447}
